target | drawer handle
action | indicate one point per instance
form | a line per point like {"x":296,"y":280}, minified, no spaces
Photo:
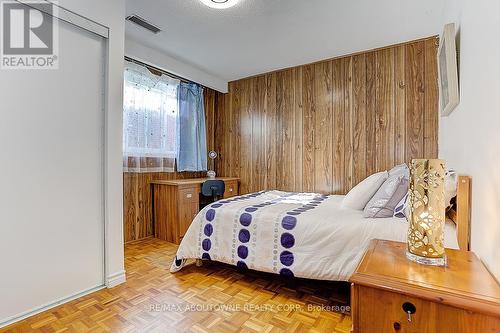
{"x":397,"y":326}
{"x":230,"y":190}
{"x":410,"y":309}
{"x":189,"y":195}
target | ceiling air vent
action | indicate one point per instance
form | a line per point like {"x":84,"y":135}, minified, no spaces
{"x":143,"y":23}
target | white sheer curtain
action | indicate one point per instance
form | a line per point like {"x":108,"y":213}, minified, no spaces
{"x":149,"y":121}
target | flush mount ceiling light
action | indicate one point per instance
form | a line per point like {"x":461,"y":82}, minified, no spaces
{"x":220,"y":4}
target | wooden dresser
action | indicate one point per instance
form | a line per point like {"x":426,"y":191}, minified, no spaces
{"x":460,"y":298}
{"x":176,"y":203}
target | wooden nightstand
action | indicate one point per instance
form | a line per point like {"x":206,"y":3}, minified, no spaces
{"x":462,"y":297}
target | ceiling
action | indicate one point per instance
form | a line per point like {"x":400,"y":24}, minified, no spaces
{"x":258,"y":36}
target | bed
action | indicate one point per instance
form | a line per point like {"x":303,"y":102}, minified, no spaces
{"x":304,"y":235}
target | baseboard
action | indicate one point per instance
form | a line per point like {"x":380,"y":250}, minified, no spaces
{"x":48,"y":306}
{"x":111,"y":281}
{"x":115,"y":279}
{"x":139,"y":240}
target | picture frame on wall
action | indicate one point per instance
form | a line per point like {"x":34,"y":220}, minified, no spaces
{"x":449,"y":96}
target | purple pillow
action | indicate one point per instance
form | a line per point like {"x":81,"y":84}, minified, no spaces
{"x":401,"y":208}
{"x":387,"y":197}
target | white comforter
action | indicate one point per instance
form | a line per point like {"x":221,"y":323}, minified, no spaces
{"x":304,"y":235}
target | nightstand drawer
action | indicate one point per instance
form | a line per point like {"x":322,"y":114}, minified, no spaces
{"x":383,"y":311}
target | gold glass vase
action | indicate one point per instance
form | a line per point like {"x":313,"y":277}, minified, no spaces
{"x":427,"y":212}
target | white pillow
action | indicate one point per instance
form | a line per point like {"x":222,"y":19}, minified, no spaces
{"x":358,"y":197}
{"x":400,"y":170}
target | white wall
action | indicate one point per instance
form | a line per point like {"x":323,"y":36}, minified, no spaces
{"x":469,"y":139}
{"x":161,"y":60}
{"x":111,"y":13}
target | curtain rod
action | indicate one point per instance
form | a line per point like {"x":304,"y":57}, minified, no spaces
{"x":164,"y":72}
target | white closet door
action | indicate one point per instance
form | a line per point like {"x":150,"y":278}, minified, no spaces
{"x":51,"y":188}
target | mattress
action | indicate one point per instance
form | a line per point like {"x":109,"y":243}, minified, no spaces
{"x":304,"y":235}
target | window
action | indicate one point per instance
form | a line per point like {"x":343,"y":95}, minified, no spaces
{"x":149,"y":120}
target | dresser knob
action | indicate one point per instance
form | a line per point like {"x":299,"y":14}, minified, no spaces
{"x":397,"y":326}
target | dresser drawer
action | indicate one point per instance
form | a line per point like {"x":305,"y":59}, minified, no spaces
{"x":381,"y":311}
{"x":189,"y":195}
{"x":188,"y":207}
{"x":231,"y":189}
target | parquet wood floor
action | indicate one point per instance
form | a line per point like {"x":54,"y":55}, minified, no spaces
{"x":153,"y":300}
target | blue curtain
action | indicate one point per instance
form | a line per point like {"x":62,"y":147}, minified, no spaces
{"x":191,"y":131}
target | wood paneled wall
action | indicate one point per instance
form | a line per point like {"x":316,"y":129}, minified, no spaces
{"x":321,"y":127}
{"x":324,"y":127}
{"x":137,"y":217}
